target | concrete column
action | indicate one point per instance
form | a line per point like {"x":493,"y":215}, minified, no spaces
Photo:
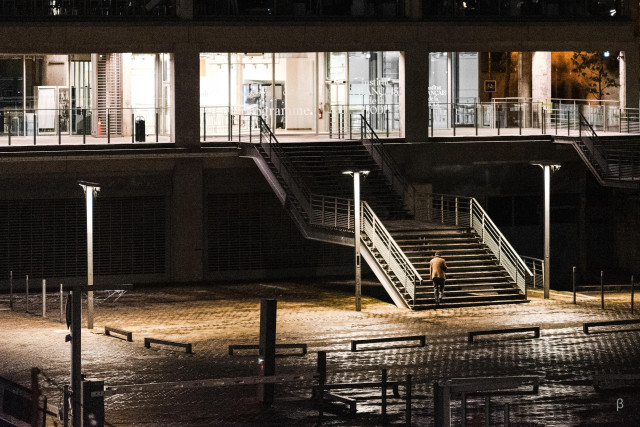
{"x":414,"y":94}
{"x":629,"y":78}
{"x":525,"y":82}
{"x":184,"y":10}
{"x":185,"y":97}
{"x":541,"y":76}
{"x":187,"y":216}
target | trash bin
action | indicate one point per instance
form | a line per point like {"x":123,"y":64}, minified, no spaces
{"x":140,"y":129}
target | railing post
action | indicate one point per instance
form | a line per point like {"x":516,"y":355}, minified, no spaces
{"x":442,"y":209}
{"x":568,"y":122}
{"x":322,"y":212}
{"x":348,"y":213}
{"x":573,"y":281}
{"x":240,"y":128}
{"x":330,"y":124}
{"x":453,"y":118}
{"x":250,"y":128}
{"x":9,"y":127}
{"x":498,"y":122}
{"x":620,"y":121}
{"x":601,"y":289}
{"x":482,"y":227}
{"x":520,"y":114}
{"x":386,"y":113}
{"x":11,"y":289}
{"x":84,"y":126}
{"x":133,"y":128}
{"x":499,"y":249}
{"x":456,"y":211}
{"x":475,"y":117}
{"x":335,"y":212}
{"x":204,"y":125}
{"x":580,"y":128}
{"x":543,"y":120}
{"x":471,"y":214}
{"x":431,"y":118}
{"x":556,"y":122}
{"x":108,"y":126}
{"x":26,"y":279}
{"x":158,"y":126}
{"x":35,"y":127}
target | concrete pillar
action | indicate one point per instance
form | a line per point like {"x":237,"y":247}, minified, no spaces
{"x":525,"y":83}
{"x":541,"y":76}
{"x":414,"y":94}
{"x":184,"y":10}
{"x":187,"y":216}
{"x":185,"y":97}
{"x":629,"y":78}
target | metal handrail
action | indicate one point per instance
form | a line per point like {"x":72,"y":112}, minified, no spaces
{"x":388,"y":248}
{"x":385,"y":162}
{"x":537,"y":268}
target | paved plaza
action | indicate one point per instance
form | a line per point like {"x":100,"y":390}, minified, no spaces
{"x":321,"y":314}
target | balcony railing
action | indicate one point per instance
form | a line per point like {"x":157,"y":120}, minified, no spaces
{"x":22,"y":127}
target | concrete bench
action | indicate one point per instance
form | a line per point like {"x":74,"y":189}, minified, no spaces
{"x":108,"y":330}
{"x":334,"y":397}
{"x":534,"y":329}
{"x":586,"y":326}
{"x":149,"y":341}
{"x":302,"y":347}
{"x":420,"y":338}
{"x":393,"y":385}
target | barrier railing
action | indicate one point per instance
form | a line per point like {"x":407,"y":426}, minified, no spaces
{"x":467,"y":212}
{"x":536,"y":265}
{"x":83,"y":126}
{"x":385,"y":162}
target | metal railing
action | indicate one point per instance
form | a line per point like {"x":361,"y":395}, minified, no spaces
{"x":82,"y":9}
{"x":338,"y":213}
{"x":344,"y":121}
{"x":387,"y":165}
{"x":69,"y":126}
{"x":536,"y":265}
{"x":467,"y":212}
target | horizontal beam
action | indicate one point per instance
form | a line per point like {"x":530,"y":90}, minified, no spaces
{"x":534,"y":329}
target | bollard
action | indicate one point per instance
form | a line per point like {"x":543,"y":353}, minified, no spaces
{"x":322,"y":378}
{"x":384,"y":396}
{"x":602,"y":289}
{"x":441,"y":403}
{"x":573,"y":278}
{"x":408,"y":416}
{"x":65,"y":406}
{"x":61,"y":304}
{"x":44,"y":298}
{"x":487,"y":411}
{"x":11,"y":289}
{"x":633,"y":288}
{"x":267,"y":356}
{"x":506,"y":415}
{"x":27,"y":292}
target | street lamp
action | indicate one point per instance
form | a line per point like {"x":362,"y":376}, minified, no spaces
{"x":548,"y":168}
{"x":90,"y":190}
{"x":356,"y":231}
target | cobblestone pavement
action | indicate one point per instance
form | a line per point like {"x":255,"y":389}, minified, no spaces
{"x":321,"y":314}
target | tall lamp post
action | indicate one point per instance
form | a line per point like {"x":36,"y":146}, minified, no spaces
{"x":548,"y":168}
{"x":356,"y":214}
{"x":91,"y":190}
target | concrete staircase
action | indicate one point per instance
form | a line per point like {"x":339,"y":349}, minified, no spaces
{"x":473,"y":277}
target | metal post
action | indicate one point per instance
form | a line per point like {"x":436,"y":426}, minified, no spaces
{"x":431,"y":122}
{"x":204,"y":125}
{"x":108,"y":126}
{"x":36,"y":393}
{"x":65,"y":406}
{"x":330,"y":124}
{"x":59,"y":133}
{"x":386,"y":112}
{"x":520,"y":118}
{"x":250,"y":128}
{"x":475,"y":117}
{"x":442,"y":209}
{"x":92,"y":406}
{"x":633,"y":289}
{"x":356,"y":208}
{"x":547,"y":228}
{"x":602,"y":289}
{"x":26,"y":279}
{"x":573,"y":280}
{"x":568,"y":123}
{"x":158,"y":125}
{"x":84,"y":125}
{"x":44,"y":298}
{"x":61,"y":304}
{"x":350,"y":126}
{"x":240,"y":128}
{"x":543,"y":120}
{"x":133,"y":128}
{"x":76,"y":356}
{"x":408,"y":402}
{"x":322,"y":378}
{"x":90,"y":191}
{"x":35,"y":127}
{"x":384,"y":395}
{"x":506,"y":415}
{"x":442,"y":404}
{"x":487,"y":411}
{"x":9,"y":119}
{"x":498,"y":124}
{"x":456,"y":211}
{"x":11,"y":289}
{"x":267,"y":354}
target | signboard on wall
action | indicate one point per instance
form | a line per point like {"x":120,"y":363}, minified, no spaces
{"x":489,"y":85}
